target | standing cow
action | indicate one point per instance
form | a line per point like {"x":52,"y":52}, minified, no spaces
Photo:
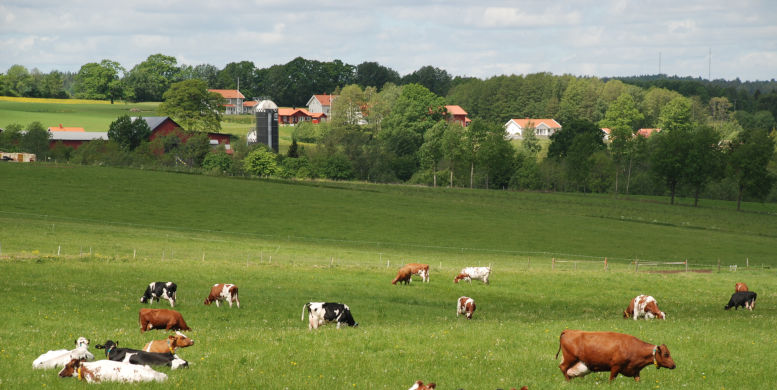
{"x":743,"y":298}
{"x":469,"y":273}
{"x":617,"y":353}
{"x":406,"y":272}
{"x":223,"y":292}
{"x":465,"y":306}
{"x":643,"y":306}
{"x":740,"y":287}
{"x":160,"y":290}
{"x":320,"y":313}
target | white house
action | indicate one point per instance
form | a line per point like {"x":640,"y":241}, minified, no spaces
{"x":542,"y":127}
{"x":234,"y":98}
{"x":321,"y":104}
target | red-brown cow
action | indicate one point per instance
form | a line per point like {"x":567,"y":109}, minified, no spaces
{"x":740,"y":287}
{"x":161,"y":319}
{"x":419,"y":385}
{"x":223,"y":292}
{"x":170,"y":344}
{"x":617,"y":353}
{"x":403,"y":275}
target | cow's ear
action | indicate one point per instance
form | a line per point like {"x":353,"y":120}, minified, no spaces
{"x":76,"y":342}
{"x":658,"y":350}
{"x":171,"y":337}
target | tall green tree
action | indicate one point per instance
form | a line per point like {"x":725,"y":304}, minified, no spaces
{"x":431,"y":151}
{"x":375,"y":75}
{"x":704,"y":160}
{"x":18,"y":81}
{"x":100,"y":81}
{"x":149,"y":80}
{"x":496,"y":156}
{"x":435,"y":79}
{"x":128,"y":134}
{"x":621,"y":118}
{"x":243,"y":72}
{"x":748,"y":158}
{"x":36,"y":140}
{"x":474,"y":136}
{"x":191,"y":104}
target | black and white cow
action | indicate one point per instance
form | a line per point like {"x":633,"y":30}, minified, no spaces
{"x":160,"y":290}
{"x":742,"y":298}
{"x":320,"y":313}
{"x":135,"y":356}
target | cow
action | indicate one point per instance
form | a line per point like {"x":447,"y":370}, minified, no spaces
{"x":617,"y":353}
{"x":160,"y":290}
{"x":419,"y":385}
{"x":110,"y":371}
{"x":170,"y":344}
{"x":469,"y":273}
{"x":60,"y":357}
{"x":643,"y":306}
{"x":320,"y":313}
{"x":223,"y":292}
{"x":161,"y":319}
{"x":740,"y":287}
{"x":421,"y":270}
{"x":465,"y":306}
{"x":743,"y":298}
{"x":403,"y":275}
{"x":135,"y":356}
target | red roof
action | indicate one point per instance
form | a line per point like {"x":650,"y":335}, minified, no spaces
{"x":60,"y":128}
{"x":250,"y":103}
{"x":325,"y":100}
{"x":455,"y":110}
{"x":228,"y":93}
{"x":285,"y":111}
{"x":531,"y":122}
{"x":647,"y":132}
{"x":317,"y":115}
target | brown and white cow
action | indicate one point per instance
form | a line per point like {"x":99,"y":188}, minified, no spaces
{"x":643,"y":306}
{"x":223,"y":292}
{"x":170,"y":344}
{"x":618,"y":353}
{"x":740,"y":287}
{"x":110,"y":371}
{"x":419,"y":385}
{"x":469,"y":273}
{"x":465,"y":306}
{"x":408,"y":270}
{"x":161,"y":319}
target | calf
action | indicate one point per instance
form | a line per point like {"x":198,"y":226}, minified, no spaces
{"x":223,"y":292}
{"x":170,"y":344}
{"x":403,"y":275}
{"x":161,"y":319}
{"x":157,"y":290}
{"x":466,"y":306}
{"x":643,"y":306}
{"x":419,"y":385}
{"x":617,"y":353}
{"x":60,"y":357}
{"x":110,"y":371}
{"x":320,"y":313}
{"x":740,"y":287}
{"x":469,"y":273}
{"x":744,"y":298}
{"x":134,"y":356}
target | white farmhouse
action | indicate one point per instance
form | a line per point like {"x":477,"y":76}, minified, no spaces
{"x":542,"y":128}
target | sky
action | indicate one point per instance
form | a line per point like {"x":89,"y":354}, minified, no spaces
{"x":721,"y":39}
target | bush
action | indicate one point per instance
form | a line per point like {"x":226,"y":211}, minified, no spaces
{"x":305,"y":132}
{"x":219,"y":162}
{"x":299,"y":168}
{"x":335,"y":167}
{"x":261,"y":162}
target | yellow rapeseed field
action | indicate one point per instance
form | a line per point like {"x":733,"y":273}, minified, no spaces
{"x":46,"y":100}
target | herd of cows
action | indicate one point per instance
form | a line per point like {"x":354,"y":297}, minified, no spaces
{"x":583,"y":352}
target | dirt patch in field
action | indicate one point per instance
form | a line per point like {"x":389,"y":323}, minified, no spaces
{"x":698,"y":271}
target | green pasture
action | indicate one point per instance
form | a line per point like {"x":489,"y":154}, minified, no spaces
{"x":79,"y":244}
{"x":92,"y":117}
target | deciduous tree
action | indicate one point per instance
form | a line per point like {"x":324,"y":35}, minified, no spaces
{"x":191,"y":104}
{"x":128,"y":134}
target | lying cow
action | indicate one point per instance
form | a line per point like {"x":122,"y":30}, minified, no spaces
{"x":161,"y":319}
{"x":740,"y":287}
{"x":419,"y":385}
{"x":60,"y":357}
{"x":617,"y":353}
{"x":465,"y":306}
{"x":643,"y":306}
{"x":134,"y":356}
{"x":170,"y":344}
{"x":223,"y":292}
{"x":744,"y":298}
{"x":469,"y":273}
{"x":160,"y":290}
{"x":110,"y":371}
{"x":320,"y":313}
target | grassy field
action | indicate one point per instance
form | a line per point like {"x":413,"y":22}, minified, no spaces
{"x":287,"y":243}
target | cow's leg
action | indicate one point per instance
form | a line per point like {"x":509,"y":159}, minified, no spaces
{"x":217,"y":303}
{"x":564,"y":366}
{"x":172,"y":302}
{"x":237,"y":301}
{"x":614,"y":370}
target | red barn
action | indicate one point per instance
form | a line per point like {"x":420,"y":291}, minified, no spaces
{"x":165,"y":126}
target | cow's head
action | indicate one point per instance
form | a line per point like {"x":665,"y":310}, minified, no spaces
{"x":70,"y":368}
{"x":663,"y":358}
{"x":179,"y":340}
{"x":460,"y":277}
{"x":82,"y":342}
{"x":348,"y":318}
{"x":108,"y":346}
{"x":208,"y":301}
{"x":143,"y":299}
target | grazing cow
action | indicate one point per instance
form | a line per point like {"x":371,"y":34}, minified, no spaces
{"x":170,"y":344}
{"x":161,"y":319}
{"x":744,"y":298}
{"x":421,"y":270}
{"x":466,"y":306}
{"x":643,"y":306}
{"x":223,"y":292}
{"x":160,"y":290}
{"x":320,"y":313}
{"x":469,"y":273}
{"x":740,"y":287}
{"x":419,"y":385}
{"x":134,"y":356}
{"x":110,"y":371}
{"x":617,"y":353}
{"x":60,"y":357}
{"x":403,"y":275}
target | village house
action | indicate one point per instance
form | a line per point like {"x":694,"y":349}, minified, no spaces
{"x":647,"y":132}
{"x":321,"y":104}
{"x":456,"y":114}
{"x":236,"y":103}
{"x":543,"y":128}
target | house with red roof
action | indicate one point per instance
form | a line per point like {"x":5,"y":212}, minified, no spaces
{"x":456,"y":114}
{"x":292,"y":116}
{"x":62,"y":128}
{"x":321,"y":104}
{"x":542,"y":128}
{"x":647,"y":132}
{"x":234,"y":100}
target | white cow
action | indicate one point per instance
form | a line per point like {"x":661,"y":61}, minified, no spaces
{"x":110,"y":371}
{"x":469,"y":273}
{"x":60,"y":357}
{"x":643,"y":306}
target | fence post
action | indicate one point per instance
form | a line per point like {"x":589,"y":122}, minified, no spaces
{"x":605,"y":264}
{"x":553,"y":264}
{"x":747,"y":262}
{"x":528,"y":263}
{"x":686,"y":265}
{"x":59,"y":248}
{"x":134,"y":252}
{"x":636,"y":265}
{"x":575,"y":266}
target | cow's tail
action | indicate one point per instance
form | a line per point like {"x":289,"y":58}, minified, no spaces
{"x":305,"y":307}
{"x":559,"y":343}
